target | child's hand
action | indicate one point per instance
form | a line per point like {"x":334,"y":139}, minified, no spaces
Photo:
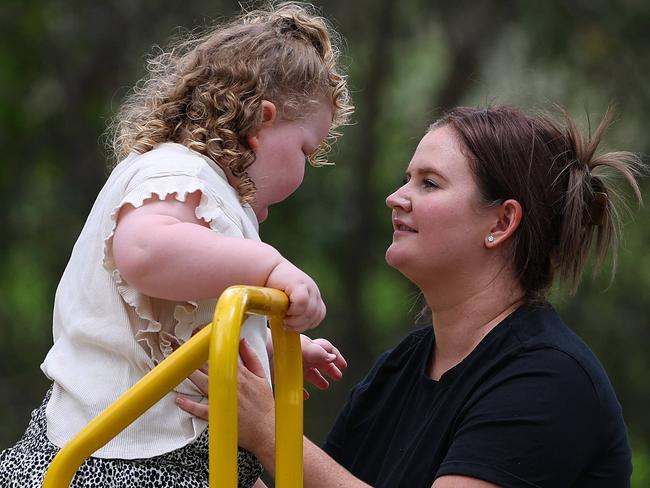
{"x":306,"y":308}
{"x":319,"y":359}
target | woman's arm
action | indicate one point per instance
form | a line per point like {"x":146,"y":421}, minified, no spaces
{"x":461,"y":482}
{"x":258,"y":436}
{"x":257,"y":432}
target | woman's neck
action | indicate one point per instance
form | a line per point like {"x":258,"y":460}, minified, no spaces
{"x":460,"y":325}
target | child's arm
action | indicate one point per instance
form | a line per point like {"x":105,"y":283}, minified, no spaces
{"x":163,"y":250}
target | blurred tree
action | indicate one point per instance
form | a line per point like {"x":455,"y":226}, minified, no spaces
{"x":66,"y":65}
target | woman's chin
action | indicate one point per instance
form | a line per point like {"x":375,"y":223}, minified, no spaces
{"x":393,"y":258}
{"x":404,"y":265}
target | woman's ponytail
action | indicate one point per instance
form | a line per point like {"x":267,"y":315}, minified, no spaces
{"x":592,"y":220}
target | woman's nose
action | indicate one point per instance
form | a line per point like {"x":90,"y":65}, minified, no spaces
{"x":398,"y":199}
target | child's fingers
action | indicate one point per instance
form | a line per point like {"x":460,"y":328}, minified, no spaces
{"x":339,"y":360}
{"x":298,"y":324}
{"x":332,"y":371}
{"x":319,"y":310}
{"x":197,"y":409}
{"x":313,"y":376}
{"x":313,"y":354}
{"x":298,"y":301}
{"x":303,"y":316}
{"x":334,"y":357}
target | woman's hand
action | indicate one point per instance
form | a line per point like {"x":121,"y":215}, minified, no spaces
{"x":255,"y":401}
{"x":256,"y":407}
{"x":200,"y":379}
{"x":256,"y":422}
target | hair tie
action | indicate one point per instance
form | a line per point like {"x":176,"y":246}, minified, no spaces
{"x":598,"y":207}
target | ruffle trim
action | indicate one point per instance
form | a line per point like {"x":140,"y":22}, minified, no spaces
{"x":159,"y":343}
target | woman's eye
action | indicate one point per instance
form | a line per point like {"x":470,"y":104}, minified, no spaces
{"x":430,"y":183}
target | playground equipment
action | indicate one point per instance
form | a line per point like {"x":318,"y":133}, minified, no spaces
{"x":218,"y":342}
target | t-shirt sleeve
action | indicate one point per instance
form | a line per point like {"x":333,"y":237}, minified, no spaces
{"x":160,"y":182}
{"x":335,"y":440}
{"x":336,"y":444}
{"x":533,"y":424}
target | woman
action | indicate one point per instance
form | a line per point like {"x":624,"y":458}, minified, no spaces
{"x":498,"y":391}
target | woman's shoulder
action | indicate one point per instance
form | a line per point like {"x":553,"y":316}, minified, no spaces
{"x":534,"y":382}
{"x":545,"y":351}
{"x":542,"y":332}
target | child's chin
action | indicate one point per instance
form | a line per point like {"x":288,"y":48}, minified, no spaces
{"x":262,"y":214}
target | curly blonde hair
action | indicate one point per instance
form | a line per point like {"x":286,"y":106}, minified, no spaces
{"x":206,"y":92}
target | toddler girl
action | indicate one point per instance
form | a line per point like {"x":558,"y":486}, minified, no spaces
{"x":216,"y":133}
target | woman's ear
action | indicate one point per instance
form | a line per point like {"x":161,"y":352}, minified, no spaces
{"x":508,"y":219}
{"x":269,"y":114}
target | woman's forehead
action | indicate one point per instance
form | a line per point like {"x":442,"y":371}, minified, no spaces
{"x":439,"y":151}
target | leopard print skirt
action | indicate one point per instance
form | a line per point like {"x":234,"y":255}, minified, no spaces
{"x":24,"y":465}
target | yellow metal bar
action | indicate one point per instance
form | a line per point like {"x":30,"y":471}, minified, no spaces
{"x":137,"y":400}
{"x":287,"y":359}
{"x":222,"y":373}
{"x":222,"y":387}
{"x":221,"y":341}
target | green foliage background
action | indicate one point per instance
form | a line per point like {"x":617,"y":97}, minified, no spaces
{"x":66,"y":65}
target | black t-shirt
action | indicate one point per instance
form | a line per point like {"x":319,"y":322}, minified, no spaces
{"x":531,"y":406}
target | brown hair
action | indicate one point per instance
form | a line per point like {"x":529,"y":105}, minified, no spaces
{"x":563,"y":186}
{"x":206,"y":92}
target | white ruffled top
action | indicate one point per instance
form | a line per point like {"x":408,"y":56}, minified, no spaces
{"x":108,"y":335}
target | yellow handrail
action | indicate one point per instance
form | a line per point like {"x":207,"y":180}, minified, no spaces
{"x":219,"y":341}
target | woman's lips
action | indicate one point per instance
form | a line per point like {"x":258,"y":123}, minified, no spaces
{"x":399,"y":226}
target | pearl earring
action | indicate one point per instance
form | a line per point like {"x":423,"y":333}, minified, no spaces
{"x":490,"y":238}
